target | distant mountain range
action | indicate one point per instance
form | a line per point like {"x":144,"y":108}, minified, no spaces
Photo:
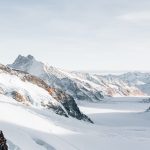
{"x":83,"y":86}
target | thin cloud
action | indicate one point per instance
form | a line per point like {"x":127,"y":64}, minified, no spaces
{"x":143,"y":16}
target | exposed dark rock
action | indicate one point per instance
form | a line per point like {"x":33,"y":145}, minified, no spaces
{"x":3,"y":144}
{"x":147,"y":100}
{"x":17,"y":96}
{"x":148,"y":109}
{"x":57,"y":109}
{"x":69,"y":104}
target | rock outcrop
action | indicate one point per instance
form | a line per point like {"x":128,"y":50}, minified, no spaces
{"x":3,"y":144}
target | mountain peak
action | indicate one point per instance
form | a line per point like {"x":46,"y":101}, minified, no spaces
{"x":28,"y":64}
{"x":28,"y":57}
{"x":23,"y":59}
{"x":23,"y":62}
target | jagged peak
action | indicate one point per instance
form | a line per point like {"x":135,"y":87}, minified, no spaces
{"x":30,"y":63}
{"x":22,"y":61}
{"x":28,"y":57}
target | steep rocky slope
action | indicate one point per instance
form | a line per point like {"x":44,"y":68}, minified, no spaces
{"x":32,"y":91}
{"x":3,"y":144}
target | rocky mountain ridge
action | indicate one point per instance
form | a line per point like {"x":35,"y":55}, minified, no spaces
{"x":81,"y":86}
{"x":32,"y":91}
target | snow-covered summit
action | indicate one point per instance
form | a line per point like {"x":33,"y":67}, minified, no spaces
{"x":28,"y":64}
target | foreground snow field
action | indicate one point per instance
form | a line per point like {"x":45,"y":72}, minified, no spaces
{"x":120,"y":123}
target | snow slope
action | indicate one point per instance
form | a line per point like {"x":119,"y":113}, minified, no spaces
{"x":34,"y":92}
{"x":120,"y":123}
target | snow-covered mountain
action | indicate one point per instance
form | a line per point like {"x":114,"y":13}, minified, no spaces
{"x":111,"y":86}
{"x":81,"y":86}
{"x":139,"y":79}
{"x":60,"y":79}
{"x":33,"y":94}
{"x":32,"y":91}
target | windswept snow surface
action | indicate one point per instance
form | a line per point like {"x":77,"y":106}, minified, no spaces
{"x":120,"y":124}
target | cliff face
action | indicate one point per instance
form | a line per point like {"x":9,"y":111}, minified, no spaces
{"x":32,"y":91}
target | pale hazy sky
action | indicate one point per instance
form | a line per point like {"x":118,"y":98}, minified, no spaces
{"x":77,"y":34}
